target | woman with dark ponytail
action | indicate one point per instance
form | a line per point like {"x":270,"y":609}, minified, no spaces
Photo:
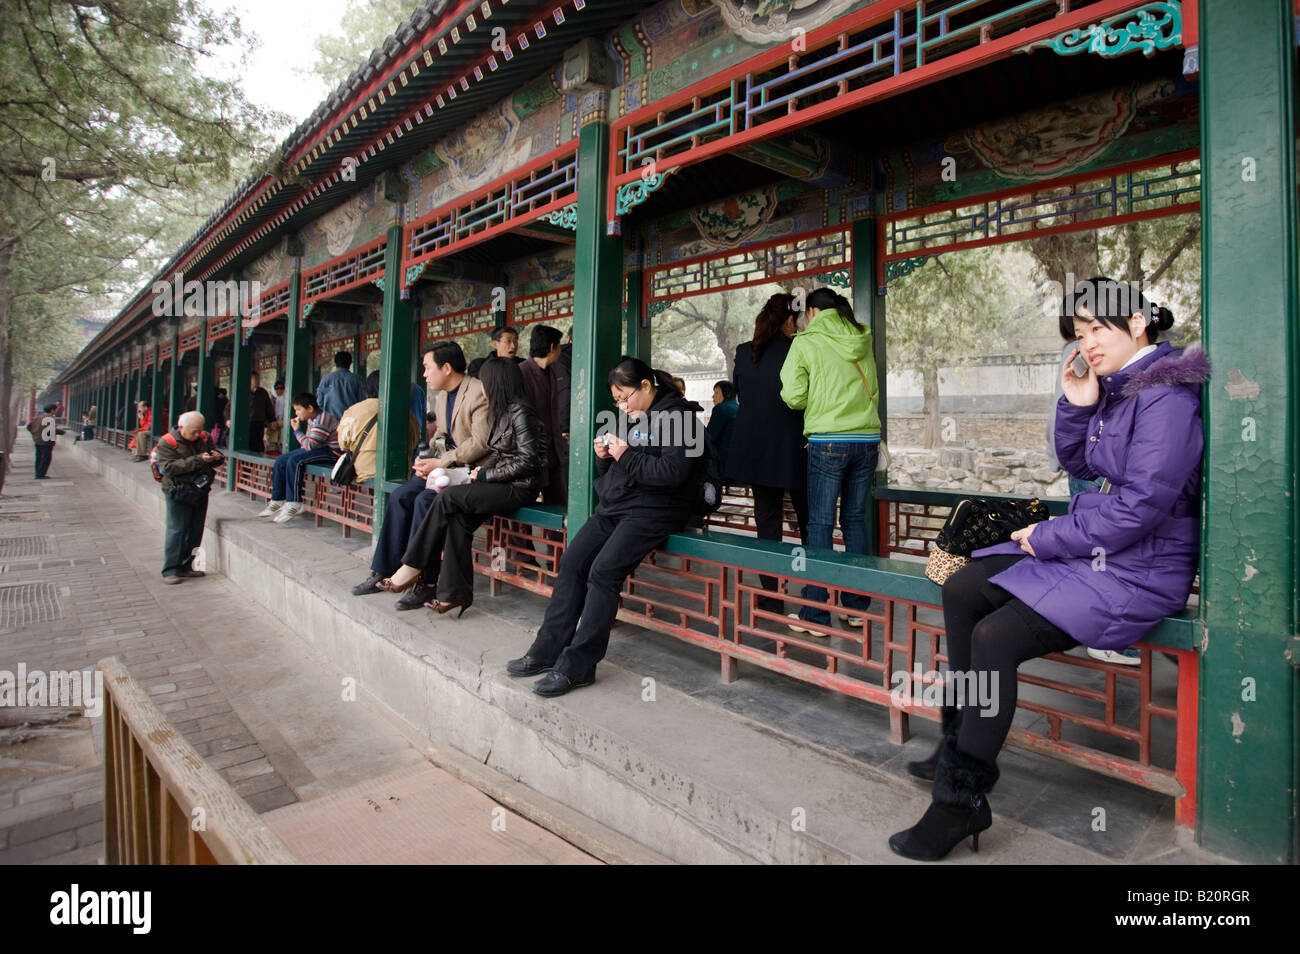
{"x":1130,"y":414}
{"x":646,"y":489}
{"x":767,"y":443}
{"x":829,"y":374}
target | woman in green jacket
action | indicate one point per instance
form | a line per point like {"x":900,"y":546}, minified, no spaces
{"x":829,"y":374}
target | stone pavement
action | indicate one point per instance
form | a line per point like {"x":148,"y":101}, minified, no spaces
{"x":80,"y":581}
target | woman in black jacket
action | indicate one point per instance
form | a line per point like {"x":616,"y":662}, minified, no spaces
{"x":767,"y":442}
{"x":647,"y":485}
{"x":515,"y":470}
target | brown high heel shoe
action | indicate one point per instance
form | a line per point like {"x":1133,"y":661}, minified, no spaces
{"x":388,"y":586}
{"x":442,"y":609}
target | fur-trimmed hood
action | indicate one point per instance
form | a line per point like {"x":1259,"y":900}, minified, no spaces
{"x":1168,"y":366}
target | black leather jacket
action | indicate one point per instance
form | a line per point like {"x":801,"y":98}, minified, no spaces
{"x":517,"y":450}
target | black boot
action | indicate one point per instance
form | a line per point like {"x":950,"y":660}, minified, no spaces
{"x":959,"y":807}
{"x":949,"y":722}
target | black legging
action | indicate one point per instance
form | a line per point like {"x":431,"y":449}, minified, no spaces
{"x":989,"y":630}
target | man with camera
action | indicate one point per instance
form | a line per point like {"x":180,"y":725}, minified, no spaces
{"x":188,"y":463}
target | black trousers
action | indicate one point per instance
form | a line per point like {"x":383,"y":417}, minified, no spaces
{"x":769,"y":515}
{"x":44,"y":454}
{"x":584,"y":603}
{"x":183,"y":536}
{"x":991,"y":632}
{"x":441,"y":544}
{"x":407,"y":506}
{"x":256,"y":437}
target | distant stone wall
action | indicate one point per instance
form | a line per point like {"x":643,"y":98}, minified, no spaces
{"x":1003,"y":430}
{"x":992,"y":454}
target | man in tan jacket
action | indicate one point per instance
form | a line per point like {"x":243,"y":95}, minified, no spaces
{"x":462,"y":441}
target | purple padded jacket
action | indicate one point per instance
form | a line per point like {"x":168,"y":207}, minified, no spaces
{"x":1114,"y":566}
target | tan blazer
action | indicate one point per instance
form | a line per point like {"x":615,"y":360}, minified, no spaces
{"x":470,"y":423}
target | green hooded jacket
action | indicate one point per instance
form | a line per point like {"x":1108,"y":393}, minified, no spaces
{"x":820,"y":377}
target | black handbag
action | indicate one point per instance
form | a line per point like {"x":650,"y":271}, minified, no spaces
{"x":979,"y":522}
{"x":191,"y":492}
{"x":345,"y":468}
{"x":976,"y":523}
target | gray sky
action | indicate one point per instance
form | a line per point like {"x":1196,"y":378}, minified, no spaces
{"x":286,"y":29}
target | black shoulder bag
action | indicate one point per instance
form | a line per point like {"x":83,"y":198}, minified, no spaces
{"x":345,"y":468}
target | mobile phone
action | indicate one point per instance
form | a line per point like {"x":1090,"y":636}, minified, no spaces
{"x":1079,"y":366}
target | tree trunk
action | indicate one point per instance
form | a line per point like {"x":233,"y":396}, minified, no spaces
{"x":930,"y":406}
{"x":1070,"y":253}
{"x":8,"y":422}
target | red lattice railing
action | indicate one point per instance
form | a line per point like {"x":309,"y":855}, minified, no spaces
{"x":714,"y":605}
{"x":351,"y":506}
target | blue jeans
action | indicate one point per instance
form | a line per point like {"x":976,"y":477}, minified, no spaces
{"x":838,"y":472}
{"x":1078,"y":485}
{"x":289,"y":469}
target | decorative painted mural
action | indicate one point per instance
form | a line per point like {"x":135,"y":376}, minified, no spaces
{"x":775,"y":21}
{"x":1106,"y":128}
{"x":679,"y":42}
{"x":271,"y":269}
{"x":353,"y":223}
{"x":749,"y":218}
{"x":534,"y":120}
{"x":444,"y":298}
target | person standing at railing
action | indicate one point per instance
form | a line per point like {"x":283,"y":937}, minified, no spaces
{"x":275,"y":427}
{"x":341,"y":388}
{"x":767,"y":443}
{"x":318,"y":443}
{"x":647,"y":487}
{"x":722,"y":421}
{"x":44,"y":429}
{"x":1103,"y":575}
{"x":261,"y":411}
{"x":830,"y":375}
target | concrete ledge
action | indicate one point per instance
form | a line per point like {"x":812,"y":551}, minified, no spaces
{"x":689,"y":778}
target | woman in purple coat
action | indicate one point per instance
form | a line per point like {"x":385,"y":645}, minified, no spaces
{"x":1102,"y":575}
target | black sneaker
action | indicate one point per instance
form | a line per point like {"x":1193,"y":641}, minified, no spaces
{"x":417,"y":596}
{"x":371,"y":585}
{"x":557,"y":683}
{"x":527,"y":666}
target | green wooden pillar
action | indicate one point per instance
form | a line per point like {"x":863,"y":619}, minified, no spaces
{"x":175,"y":400}
{"x":133,"y":392}
{"x":241,"y":398}
{"x":637,"y":336}
{"x":156,"y":428}
{"x":207,"y":384}
{"x":297,"y":357}
{"x":123,"y":387}
{"x":869,"y":307}
{"x":397,"y":342}
{"x":597,"y":290}
{"x":1247,"y":758}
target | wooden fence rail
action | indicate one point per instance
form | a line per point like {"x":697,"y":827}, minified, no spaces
{"x":164,"y":805}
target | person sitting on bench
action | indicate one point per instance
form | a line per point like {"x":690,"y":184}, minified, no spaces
{"x":318,"y":440}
